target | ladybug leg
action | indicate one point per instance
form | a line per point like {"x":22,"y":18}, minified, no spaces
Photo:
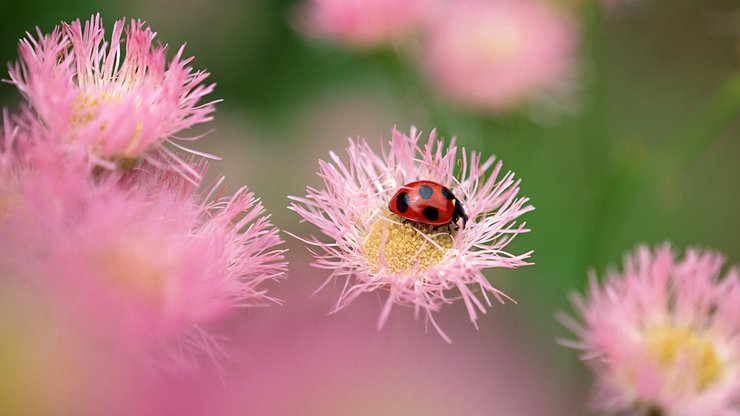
{"x":460,"y":214}
{"x":440,"y":227}
{"x":455,"y":217}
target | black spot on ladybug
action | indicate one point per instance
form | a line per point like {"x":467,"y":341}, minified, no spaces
{"x":402,"y":202}
{"x":447,"y":194}
{"x":425,"y":191}
{"x":431,"y":213}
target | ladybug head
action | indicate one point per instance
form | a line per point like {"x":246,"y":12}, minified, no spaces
{"x":459,"y":213}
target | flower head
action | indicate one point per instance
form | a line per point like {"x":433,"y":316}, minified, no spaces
{"x":664,"y":335}
{"x":118,"y":104}
{"x":131,"y":254}
{"x":173,"y":265}
{"x":362,"y":24}
{"x":138,"y":258}
{"x":497,"y":55}
{"x":39,"y":184}
{"x":420,"y":266}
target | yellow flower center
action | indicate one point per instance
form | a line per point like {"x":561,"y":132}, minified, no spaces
{"x":34,"y":355}
{"x":135,"y":267}
{"x":399,"y":246}
{"x":671,"y":345}
{"x":86,"y":107}
{"x":10,"y":203}
{"x":7,"y":202}
{"x":495,"y":43}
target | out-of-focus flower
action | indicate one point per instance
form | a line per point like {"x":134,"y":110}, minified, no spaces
{"x":357,"y":371}
{"x":118,"y":104}
{"x":39,"y":184}
{"x":136,"y":255}
{"x":154,"y":267}
{"x":664,"y":335}
{"x":362,"y":24}
{"x":496,"y":55}
{"x":420,"y":266}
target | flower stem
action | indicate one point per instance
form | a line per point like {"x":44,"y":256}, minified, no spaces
{"x":409,"y":83}
{"x":703,"y":128}
{"x":594,"y":134}
{"x":596,"y":159}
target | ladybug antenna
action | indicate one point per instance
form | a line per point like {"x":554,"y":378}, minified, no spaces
{"x":459,"y":173}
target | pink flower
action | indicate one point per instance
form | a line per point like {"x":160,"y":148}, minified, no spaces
{"x":138,"y":259}
{"x":664,"y":335}
{"x":419,"y":266}
{"x":362,"y":24}
{"x":163,"y":267}
{"x":118,"y":104}
{"x":356,"y":371}
{"x":498,"y":55}
{"x":39,"y":184}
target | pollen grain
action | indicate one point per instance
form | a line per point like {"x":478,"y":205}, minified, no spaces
{"x":398,"y":246}
{"x":671,"y":346}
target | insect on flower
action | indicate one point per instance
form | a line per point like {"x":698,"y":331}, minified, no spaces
{"x":380,"y":215}
{"x":427,"y":202}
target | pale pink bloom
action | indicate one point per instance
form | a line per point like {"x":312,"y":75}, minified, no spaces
{"x":356,"y":371}
{"x":120,"y":104}
{"x":663,"y":335}
{"x":362,"y":24}
{"x":140,"y":260}
{"x":497,"y":55}
{"x":419,"y":266}
{"x":40,"y":183}
{"x":157,"y":268}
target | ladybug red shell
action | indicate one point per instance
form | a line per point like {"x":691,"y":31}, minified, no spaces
{"x":427,"y":202}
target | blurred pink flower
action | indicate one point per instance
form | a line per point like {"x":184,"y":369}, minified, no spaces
{"x":496,"y":55}
{"x":356,"y":371}
{"x":362,"y":24}
{"x":664,"y":335}
{"x":154,"y":267}
{"x":136,"y":257}
{"x":118,"y":105}
{"x":39,"y":184}
{"x":420,"y":266}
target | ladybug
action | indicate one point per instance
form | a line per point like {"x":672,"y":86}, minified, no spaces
{"x":427,"y":202}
